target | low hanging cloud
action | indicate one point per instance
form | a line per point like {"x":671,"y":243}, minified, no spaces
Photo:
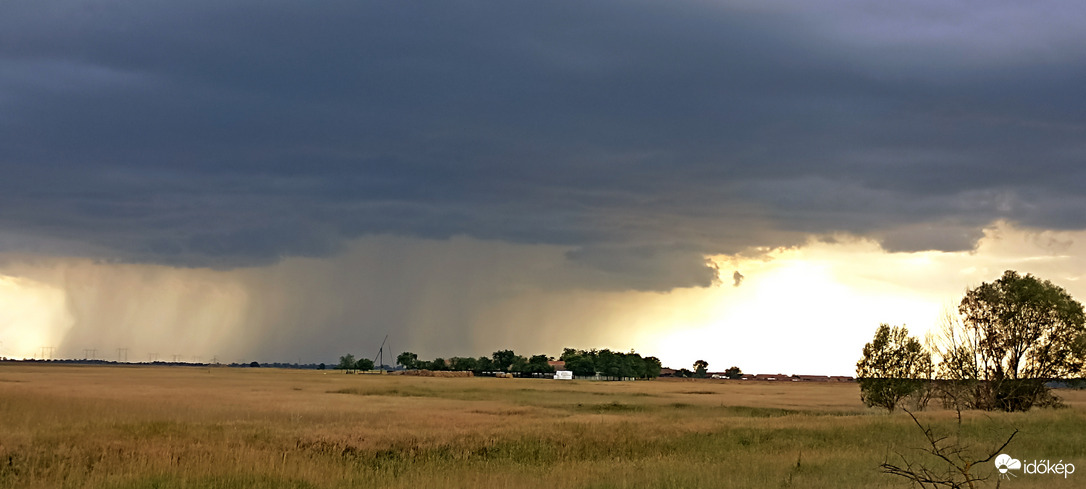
{"x":636,"y":137}
{"x":459,"y":296}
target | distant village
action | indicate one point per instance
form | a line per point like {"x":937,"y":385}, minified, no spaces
{"x":665,"y":372}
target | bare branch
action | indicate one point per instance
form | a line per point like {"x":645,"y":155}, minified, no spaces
{"x":958,"y":473}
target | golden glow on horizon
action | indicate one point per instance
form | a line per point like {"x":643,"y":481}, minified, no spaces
{"x":810,"y":309}
{"x":800,"y":310}
{"x":32,"y":315}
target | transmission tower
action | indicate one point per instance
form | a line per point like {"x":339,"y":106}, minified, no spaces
{"x":122,"y":355}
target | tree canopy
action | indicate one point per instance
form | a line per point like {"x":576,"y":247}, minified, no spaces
{"x":363,"y":364}
{"x":1021,"y":327}
{"x":346,"y":362}
{"x":607,"y":363}
{"x":407,"y":359}
{"x":701,"y":368}
{"x":1009,"y":338}
{"x":1015,"y":333}
{"x":892,"y":367}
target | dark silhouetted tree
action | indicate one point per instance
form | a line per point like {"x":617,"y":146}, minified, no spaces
{"x":407,"y":359}
{"x":652,"y":367}
{"x":1017,"y":333}
{"x":438,"y":364}
{"x":701,"y":367}
{"x":503,"y":360}
{"x":463,"y":364}
{"x":484,"y":364}
{"x":539,"y":364}
{"x":363,"y":364}
{"x":894,"y":365}
{"x":581,"y":365}
{"x":346,"y":362}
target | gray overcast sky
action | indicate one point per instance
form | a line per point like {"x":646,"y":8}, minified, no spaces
{"x":640,"y":135}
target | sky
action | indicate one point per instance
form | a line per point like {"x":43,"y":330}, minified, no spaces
{"x":753,"y":183}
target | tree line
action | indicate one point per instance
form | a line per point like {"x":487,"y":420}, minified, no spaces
{"x":583,"y":363}
{"x":607,"y":363}
{"x":1009,"y":339}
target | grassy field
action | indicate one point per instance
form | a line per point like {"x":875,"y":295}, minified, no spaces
{"x":181,"y":427}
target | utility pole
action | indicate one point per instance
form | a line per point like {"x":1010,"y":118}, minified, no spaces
{"x":122,"y":355}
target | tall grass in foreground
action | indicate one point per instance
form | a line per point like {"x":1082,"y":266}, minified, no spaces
{"x":63,"y":426}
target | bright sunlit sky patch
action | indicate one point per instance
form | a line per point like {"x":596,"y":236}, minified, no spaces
{"x":807,"y":309}
{"x":280,"y":181}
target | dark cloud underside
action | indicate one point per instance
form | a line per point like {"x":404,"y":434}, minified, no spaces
{"x":642,"y":135}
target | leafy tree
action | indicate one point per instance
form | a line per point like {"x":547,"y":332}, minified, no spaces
{"x":1018,"y":332}
{"x":363,"y":364}
{"x":1028,"y":327}
{"x":407,"y":359}
{"x":438,"y":364}
{"x":607,"y":363}
{"x":484,"y":364}
{"x":463,"y":363}
{"x":652,"y":367}
{"x":539,"y":364}
{"x":581,"y":365}
{"x":701,"y":367}
{"x":686,"y":373}
{"x":894,"y":366}
{"x":346,"y":362}
{"x":519,"y":365}
{"x":635,"y":364}
{"x":321,"y":367}
{"x":733,"y":373}
{"x":503,"y":360}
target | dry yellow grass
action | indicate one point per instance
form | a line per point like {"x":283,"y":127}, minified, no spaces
{"x":73,"y":426}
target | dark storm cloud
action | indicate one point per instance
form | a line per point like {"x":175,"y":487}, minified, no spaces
{"x":642,"y":135}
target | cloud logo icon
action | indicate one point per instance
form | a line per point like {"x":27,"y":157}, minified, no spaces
{"x":1005,"y":462}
